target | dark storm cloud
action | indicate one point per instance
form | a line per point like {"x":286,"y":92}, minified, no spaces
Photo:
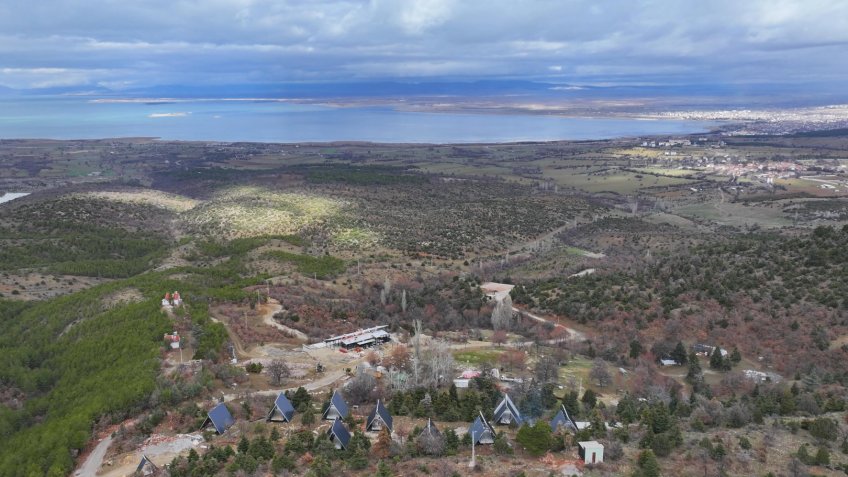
{"x":125,"y":43}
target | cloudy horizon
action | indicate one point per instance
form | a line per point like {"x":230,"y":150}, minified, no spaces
{"x":125,"y":45}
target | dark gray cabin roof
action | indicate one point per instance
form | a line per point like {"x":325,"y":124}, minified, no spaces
{"x":507,"y":405}
{"x":284,"y":406}
{"x":384,"y":414}
{"x":430,"y":429}
{"x":339,"y":403}
{"x":340,"y":432}
{"x":145,"y":461}
{"x":562,"y":418}
{"x":479,"y":427}
{"x":220,"y":417}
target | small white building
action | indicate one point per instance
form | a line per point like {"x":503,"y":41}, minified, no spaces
{"x":592,"y":452}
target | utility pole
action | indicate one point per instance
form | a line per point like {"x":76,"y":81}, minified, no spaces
{"x":473,"y":462}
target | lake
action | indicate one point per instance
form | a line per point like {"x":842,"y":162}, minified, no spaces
{"x":7,"y":196}
{"x":270,"y":121}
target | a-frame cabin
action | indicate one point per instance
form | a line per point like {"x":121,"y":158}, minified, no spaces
{"x":337,"y":409}
{"x":283,"y":410}
{"x":220,"y":418}
{"x":507,"y":412}
{"x":481,"y":431}
{"x":379,"y":418}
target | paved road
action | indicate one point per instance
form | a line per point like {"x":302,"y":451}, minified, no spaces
{"x":95,"y":459}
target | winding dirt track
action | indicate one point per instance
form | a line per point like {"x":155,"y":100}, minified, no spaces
{"x":274,"y":307}
{"x":572,"y":333}
{"x":95,"y":459}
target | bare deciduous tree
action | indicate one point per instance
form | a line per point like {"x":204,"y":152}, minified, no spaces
{"x":398,"y":358}
{"x":599,"y":373}
{"x":403,"y":301}
{"x":278,"y":370}
{"x":360,"y":388}
{"x":430,"y":444}
{"x":502,"y":314}
{"x":439,"y":363}
{"x":499,"y":337}
{"x":547,"y":369}
{"x":416,"y":359}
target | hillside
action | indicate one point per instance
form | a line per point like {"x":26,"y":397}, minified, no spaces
{"x":621,"y":256}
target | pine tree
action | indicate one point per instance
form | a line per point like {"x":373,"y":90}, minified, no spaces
{"x":716,"y":361}
{"x":572,"y":405}
{"x":383,"y":470}
{"x":320,"y":467}
{"x":679,"y":354}
{"x":803,"y":455}
{"x":451,"y":442}
{"x":536,"y":439}
{"x":735,"y":355}
{"x":695,"y":376}
{"x":308,"y":416}
{"x":626,"y":409}
{"x":358,"y":451}
{"x":282,"y":462}
{"x":501,"y":445}
{"x":589,"y":399}
{"x":822,"y":457}
{"x":243,"y":445}
{"x":635,"y":349}
{"x":301,"y":398}
{"x":648,"y":465}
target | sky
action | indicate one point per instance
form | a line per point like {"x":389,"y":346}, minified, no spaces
{"x":121,"y":45}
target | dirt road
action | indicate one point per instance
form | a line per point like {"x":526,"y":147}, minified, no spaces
{"x":572,"y":333}
{"x":95,"y":459}
{"x":271,"y":309}
{"x":327,"y":379}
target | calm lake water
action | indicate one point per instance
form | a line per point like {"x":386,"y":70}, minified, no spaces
{"x":81,"y":118}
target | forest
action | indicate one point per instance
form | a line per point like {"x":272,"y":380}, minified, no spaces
{"x":758,"y":292}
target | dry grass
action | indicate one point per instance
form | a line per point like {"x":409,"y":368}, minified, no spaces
{"x":254,"y":211}
{"x":154,"y":198}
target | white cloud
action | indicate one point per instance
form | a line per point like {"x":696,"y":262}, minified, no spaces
{"x":288,"y":40}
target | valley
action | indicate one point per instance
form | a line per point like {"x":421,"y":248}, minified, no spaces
{"x":682,"y":296}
